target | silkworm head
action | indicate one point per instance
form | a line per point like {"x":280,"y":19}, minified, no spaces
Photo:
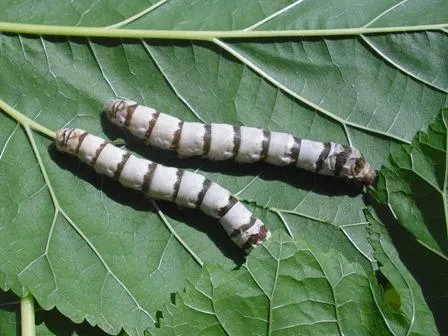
{"x":117,"y":110}
{"x":364,"y":172}
{"x":67,"y":139}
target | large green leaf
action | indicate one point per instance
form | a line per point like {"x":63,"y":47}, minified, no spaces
{"x":101,"y":253}
{"x":412,"y":191}
{"x":292,"y":288}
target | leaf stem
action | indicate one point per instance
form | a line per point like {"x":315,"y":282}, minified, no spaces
{"x":27,"y":316}
{"x":24,"y":120}
{"x":55,"y":30}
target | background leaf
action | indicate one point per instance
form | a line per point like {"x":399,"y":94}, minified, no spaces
{"x":411,"y":302}
{"x":98,"y":252}
{"x":290,"y":288}
{"x":412,"y":191}
{"x":414,"y":186}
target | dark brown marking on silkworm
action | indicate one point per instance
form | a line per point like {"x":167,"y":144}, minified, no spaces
{"x":205,"y":186}
{"x":152,"y":123}
{"x":121,"y":165}
{"x":226,"y":208}
{"x":207,"y":138}
{"x":323,"y":156}
{"x":359,"y":165}
{"x":66,"y":136}
{"x":257,"y":238}
{"x":265,"y":144}
{"x":236,"y":140}
{"x":97,"y":153}
{"x":244,"y":227}
{"x":177,"y":135}
{"x":262,"y":233}
{"x":295,"y":150}
{"x":179,"y":174}
{"x":147,"y":179}
{"x":341,"y":159}
{"x":80,"y":140}
{"x":129,"y":112}
{"x":118,"y":105}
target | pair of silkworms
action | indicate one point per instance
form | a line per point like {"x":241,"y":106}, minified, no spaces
{"x":212,"y":141}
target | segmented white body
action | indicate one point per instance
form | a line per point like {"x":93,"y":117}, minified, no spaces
{"x":241,"y":143}
{"x":157,"y":181}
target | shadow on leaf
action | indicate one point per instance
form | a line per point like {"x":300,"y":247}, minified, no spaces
{"x":48,"y":322}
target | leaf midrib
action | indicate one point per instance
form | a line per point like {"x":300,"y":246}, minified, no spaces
{"x":115,"y":30}
{"x":204,"y":35}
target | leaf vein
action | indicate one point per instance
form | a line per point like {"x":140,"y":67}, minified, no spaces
{"x":8,"y":140}
{"x":273,"y":15}
{"x":306,"y":324}
{"x":369,"y":41}
{"x":137,"y":16}
{"x":97,"y":61}
{"x":398,"y":4}
{"x":332,"y":292}
{"x":176,"y":235}
{"x":172,"y":86}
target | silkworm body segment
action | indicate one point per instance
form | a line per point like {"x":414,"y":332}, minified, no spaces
{"x":160,"y":182}
{"x":241,"y":143}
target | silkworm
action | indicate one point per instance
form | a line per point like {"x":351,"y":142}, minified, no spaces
{"x":167,"y":183}
{"x":241,"y":143}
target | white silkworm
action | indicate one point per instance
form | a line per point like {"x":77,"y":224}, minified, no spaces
{"x":160,"y":182}
{"x":243,"y":144}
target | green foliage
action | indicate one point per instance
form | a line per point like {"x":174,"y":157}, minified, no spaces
{"x":415,"y":186}
{"x":412,"y":192}
{"x":289,"y":287}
